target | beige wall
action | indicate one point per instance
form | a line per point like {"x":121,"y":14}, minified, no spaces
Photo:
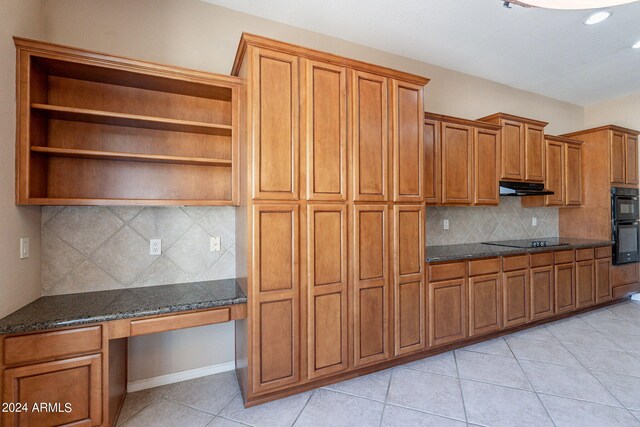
{"x":19,"y":279}
{"x":623,"y":111}
{"x":198,"y":35}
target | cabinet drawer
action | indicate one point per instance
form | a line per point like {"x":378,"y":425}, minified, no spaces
{"x":584,"y":254}
{"x":541,"y":260}
{"x":178,"y":321}
{"x":453,"y":270}
{"x":603,"y":252}
{"x":517,"y":262}
{"x":51,"y":345}
{"x":564,"y":256}
{"x":484,"y":266}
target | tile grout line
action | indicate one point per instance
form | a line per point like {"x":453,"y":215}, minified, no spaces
{"x":304,"y":407}
{"x":464,"y":406}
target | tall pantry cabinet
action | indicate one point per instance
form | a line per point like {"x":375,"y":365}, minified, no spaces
{"x":330,"y":228}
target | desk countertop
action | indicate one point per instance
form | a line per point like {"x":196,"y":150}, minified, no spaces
{"x":59,"y":311}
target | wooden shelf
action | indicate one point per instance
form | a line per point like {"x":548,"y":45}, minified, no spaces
{"x":112,"y":155}
{"x":131,"y":120}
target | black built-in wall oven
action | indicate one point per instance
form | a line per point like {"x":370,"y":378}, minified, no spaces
{"x":625,"y":225}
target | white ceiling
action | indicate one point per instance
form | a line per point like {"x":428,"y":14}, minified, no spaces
{"x":549,"y":52}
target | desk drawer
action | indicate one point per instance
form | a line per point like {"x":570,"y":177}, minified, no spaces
{"x":39,"y":347}
{"x":179,"y":321}
{"x":565,"y":256}
{"x":517,"y":262}
{"x":448,"y":271}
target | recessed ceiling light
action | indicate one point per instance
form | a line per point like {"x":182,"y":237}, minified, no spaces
{"x":637,"y":45}
{"x":573,"y":4}
{"x":597,"y":17}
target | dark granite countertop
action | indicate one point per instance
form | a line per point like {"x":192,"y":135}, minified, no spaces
{"x":91,"y":307}
{"x":480,"y":250}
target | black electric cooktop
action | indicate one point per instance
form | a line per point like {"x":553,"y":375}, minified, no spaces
{"x":534,"y":243}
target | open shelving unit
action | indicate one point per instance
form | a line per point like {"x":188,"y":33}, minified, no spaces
{"x":96,"y":129}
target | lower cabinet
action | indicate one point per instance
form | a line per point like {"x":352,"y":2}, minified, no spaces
{"x":74,"y":385}
{"x":565,"y":280}
{"x":485,"y":296}
{"x":447,"y":311}
{"x":542,"y":291}
{"x":515,"y":285}
{"x":585,"y":284}
{"x":603,"y":280}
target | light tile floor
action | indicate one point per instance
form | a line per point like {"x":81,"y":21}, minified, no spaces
{"x":581,"y":371}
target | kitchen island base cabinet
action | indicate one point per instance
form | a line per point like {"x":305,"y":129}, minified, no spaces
{"x":447,"y":312}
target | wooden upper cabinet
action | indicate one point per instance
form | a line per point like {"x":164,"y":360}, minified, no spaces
{"x":534,"y":153}
{"x":275,"y":122}
{"x":432,"y":164}
{"x":457,"y":164}
{"x":522,"y":147}
{"x":573,"y":174}
{"x":631,"y":161}
{"x":407,"y":115}
{"x":370,"y":137}
{"x":555,"y":172}
{"x":486,"y":160}
{"x":617,"y":151}
{"x":324,"y":130}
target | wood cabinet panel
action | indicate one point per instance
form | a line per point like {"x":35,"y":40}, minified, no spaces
{"x":573,"y":174}
{"x":407,"y":116}
{"x":485,"y":297}
{"x":515,"y":262}
{"x":484,"y":266}
{"x":275,"y":125}
{"x":446,"y":271}
{"x":542,"y":293}
{"x":603,"y":252}
{"x":447,"y":312}
{"x":179,"y":321}
{"x":457,"y":164}
{"x":585,"y":254}
{"x":585,"y":284}
{"x":617,"y":151}
{"x":565,"y":287}
{"x":432,"y":164}
{"x":327,"y":289}
{"x":512,"y":150}
{"x":371,"y":277}
{"x":555,"y":173}
{"x":276,"y":241}
{"x":562,"y":257}
{"x":324,"y":130}
{"x":515,"y":303}
{"x":370,"y":137}
{"x":603,"y":280}
{"x":534,"y":153}
{"x":631,"y":160}
{"x":409,"y":285}
{"x":625,"y":274}
{"x":486,"y":167}
{"x":541,"y":259}
{"x":279,"y":353}
{"x":77,"y":381}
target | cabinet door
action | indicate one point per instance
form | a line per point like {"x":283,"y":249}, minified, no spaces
{"x":276,"y":354}
{"x":432,"y":162}
{"x":565,"y":285}
{"x":327,"y":289}
{"x":585,"y":284}
{"x":534,"y":153}
{"x":486,"y":158}
{"x":324,"y":130}
{"x":370,"y":137}
{"x":371,"y":295}
{"x":275,"y":118}
{"x":407,"y":116}
{"x":573,"y":174}
{"x":515,"y":285}
{"x":603,"y":280}
{"x":447,"y":312}
{"x":617,"y":152}
{"x":485,"y":296}
{"x":555,"y":174}
{"x":541,"y":292}
{"x":457,"y":164}
{"x":76,"y":381}
{"x":631,"y":159}
{"x":512,"y":150}
{"x":409,"y":287}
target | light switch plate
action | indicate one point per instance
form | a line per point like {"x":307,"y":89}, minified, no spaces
{"x":155,"y":247}
{"x":214,"y":244}
{"x":24,"y":248}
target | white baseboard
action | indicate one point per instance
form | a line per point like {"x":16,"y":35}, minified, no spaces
{"x":636,"y":296}
{"x":176,"y":377}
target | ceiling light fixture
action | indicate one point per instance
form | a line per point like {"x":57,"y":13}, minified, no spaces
{"x":636,"y":45}
{"x":597,"y":17}
{"x":572,"y":4}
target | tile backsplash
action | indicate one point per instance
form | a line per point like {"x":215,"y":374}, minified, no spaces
{"x":99,"y":248}
{"x":480,"y":224}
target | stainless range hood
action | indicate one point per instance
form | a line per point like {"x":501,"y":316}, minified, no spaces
{"x":522,"y":189}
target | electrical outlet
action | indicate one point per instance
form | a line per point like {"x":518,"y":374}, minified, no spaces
{"x":445,"y":225}
{"x":214,"y":244}
{"x":24,"y":248}
{"x":155,"y":246}
{"x":534,"y":221}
